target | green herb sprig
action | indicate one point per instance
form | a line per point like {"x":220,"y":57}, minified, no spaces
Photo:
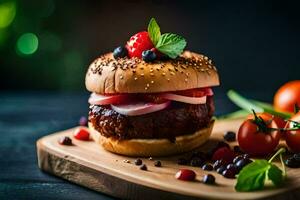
{"x":257,"y":106}
{"x":169,"y":44}
{"x":254,"y":176}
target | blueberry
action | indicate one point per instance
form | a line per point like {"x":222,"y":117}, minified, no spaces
{"x":208,"y":179}
{"x":65,"y":141}
{"x":148,"y":56}
{"x":296,"y":156}
{"x":138,"y":161}
{"x":237,"y":158}
{"x":157,"y":163}
{"x":120,"y":52}
{"x":292,"y":162}
{"x":242,"y":163}
{"x":207,"y":167}
{"x":229,"y":173}
{"x":230,"y":136}
{"x":143,"y":167}
{"x":197,"y":162}
{"x":221,"y":169}
{"x":218,"y":164}
{"x":246,"y":156}
{"x":232,"y":167}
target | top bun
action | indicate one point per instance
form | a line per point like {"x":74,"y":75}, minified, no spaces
{"x":107,"y":75}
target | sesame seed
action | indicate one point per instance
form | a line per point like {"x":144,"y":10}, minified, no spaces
{"x":185,"y":80}
{"x":148,"y":85}
{"x":142,"y":74}
{"x":135,"y":78}
{"x":168,"y":79}
{"x":121,"y":77}
{"x":151,"y":70}
{"x":152,"y":82}
{"x":146,"y":88}
{"x":163,"y":73}
{"x":205,"y":58}
{"x":151,"y":74}
{"x":172,"y":73}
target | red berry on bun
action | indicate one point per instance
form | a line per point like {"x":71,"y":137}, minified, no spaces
{"x":139,"y":43}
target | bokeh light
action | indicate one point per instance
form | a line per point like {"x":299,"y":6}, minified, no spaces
{"x":27,"y":44}
{"x":7,"y":13}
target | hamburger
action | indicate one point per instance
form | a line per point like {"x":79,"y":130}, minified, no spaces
{"x":148,"y":100}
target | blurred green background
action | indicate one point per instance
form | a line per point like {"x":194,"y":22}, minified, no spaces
{"x":48,"y":44}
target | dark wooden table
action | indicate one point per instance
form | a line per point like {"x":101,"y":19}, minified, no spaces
{"x":27,"y":116}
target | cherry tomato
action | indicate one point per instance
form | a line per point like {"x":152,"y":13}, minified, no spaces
{"x":292,"y":138}
{"x":278,"y":120}
{"x":254,"y":141}
{"x":287,"y":96}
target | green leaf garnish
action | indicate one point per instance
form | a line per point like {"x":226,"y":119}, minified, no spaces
{"x":275,"y":175}
{"x":171,"y":44}
{"x":254,"y":175}
{"x":154,"y":31}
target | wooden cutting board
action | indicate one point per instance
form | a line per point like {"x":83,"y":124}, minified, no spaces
{"x":87,"y":164}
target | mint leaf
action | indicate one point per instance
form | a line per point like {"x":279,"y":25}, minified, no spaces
{"x":154,"y":31}
{"x":253,"y":176}
{"x":275,"y":175}
{"x":171,"y":44}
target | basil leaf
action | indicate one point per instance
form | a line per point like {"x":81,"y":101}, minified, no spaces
{"x":171,"y":44}
{"x":253,"y":176}
{"x":154,"y":31}
{"x":275,"y":175}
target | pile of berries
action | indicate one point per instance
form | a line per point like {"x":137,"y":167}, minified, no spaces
{"x":221,"y":158}
{"x":140,"y":46}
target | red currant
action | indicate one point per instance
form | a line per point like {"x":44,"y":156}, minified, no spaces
{"x":139,"y":43}
{"x":81,"y":134}
{"x":185,"y":175}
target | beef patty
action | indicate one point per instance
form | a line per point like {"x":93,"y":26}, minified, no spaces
{"x":178,"y":119}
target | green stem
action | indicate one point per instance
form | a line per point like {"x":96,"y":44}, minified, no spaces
{"x":283,"y":165}
{"x":243,"y":102}
{"x":280,"y":151}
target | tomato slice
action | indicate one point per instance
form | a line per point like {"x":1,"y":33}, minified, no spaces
{"x":192,"y":96}
{"x":200,"y":92}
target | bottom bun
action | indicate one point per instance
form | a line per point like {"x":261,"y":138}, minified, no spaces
{"x":153,"y":147}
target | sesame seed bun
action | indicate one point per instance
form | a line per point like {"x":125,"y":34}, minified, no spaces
{"x":153,"y":147}
{"x":107,"y":75}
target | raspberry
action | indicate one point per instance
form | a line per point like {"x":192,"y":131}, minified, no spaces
{"x":139,"y":43}
{"x":81,"y":134}
{"x":223,"y":153}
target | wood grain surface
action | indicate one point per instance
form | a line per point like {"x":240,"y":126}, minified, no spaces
{"x":87,"y":164}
